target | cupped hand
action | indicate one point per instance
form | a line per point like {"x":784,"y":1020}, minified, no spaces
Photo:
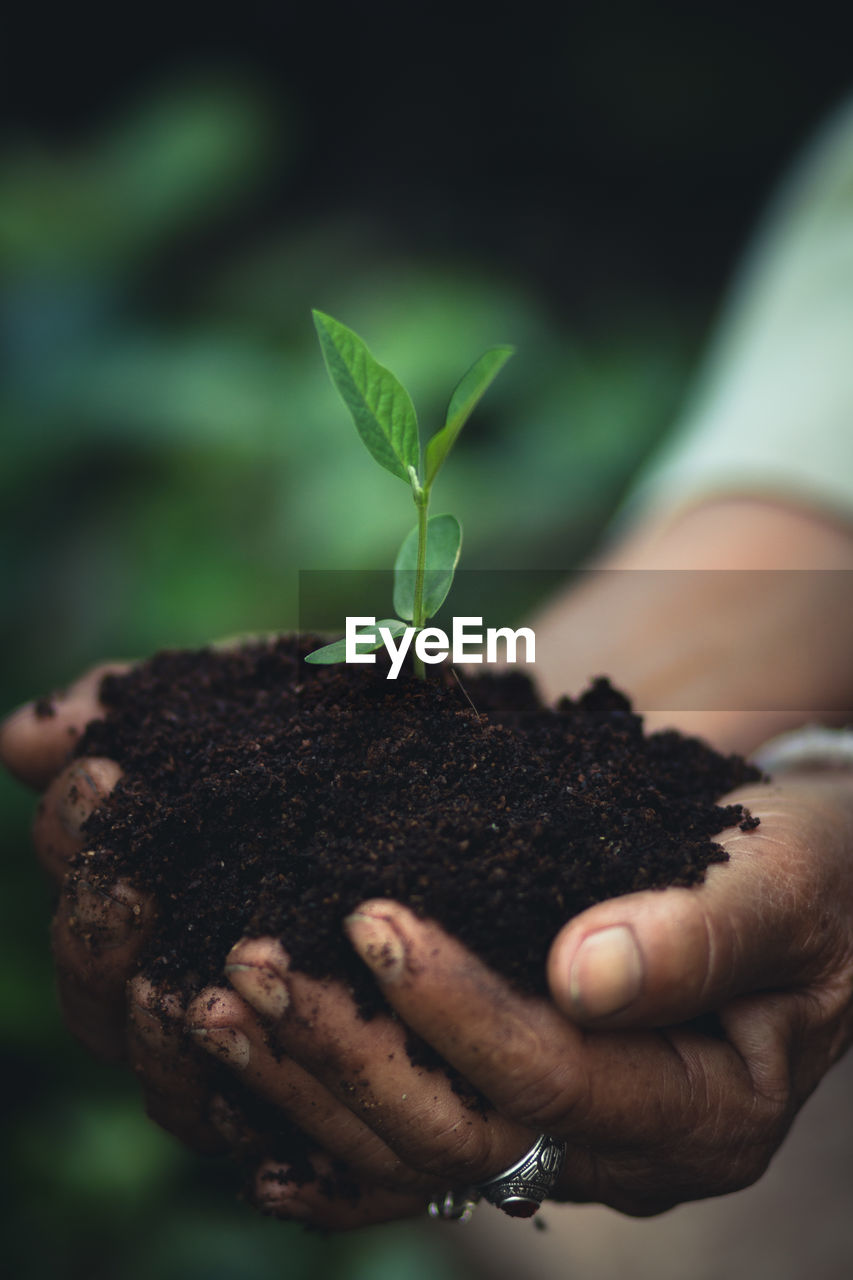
{"x":98,"y":934}
{"x":655,"y":1105}
{"x":685,"y":1029}
{"x":98,"y":931}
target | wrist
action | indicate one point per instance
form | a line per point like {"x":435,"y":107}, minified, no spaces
{"x":757,"y":645}
{"x":735,"y":532}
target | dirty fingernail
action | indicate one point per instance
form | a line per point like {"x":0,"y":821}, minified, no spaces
{"x":607,"y":972}
{"x":87,"y":784}
{"x":378,"y":944}
{"x":260,"y":986}
{"x":226,"y":1043}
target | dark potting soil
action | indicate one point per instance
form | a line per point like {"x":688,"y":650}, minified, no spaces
{"x":265,"y":795}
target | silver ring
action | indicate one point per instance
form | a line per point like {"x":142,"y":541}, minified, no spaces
{"x":520,"y":1190}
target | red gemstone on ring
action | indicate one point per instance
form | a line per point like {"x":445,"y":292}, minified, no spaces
{"x":520,"y":1208}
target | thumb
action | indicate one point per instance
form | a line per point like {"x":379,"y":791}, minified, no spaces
{"x":665,"y":956}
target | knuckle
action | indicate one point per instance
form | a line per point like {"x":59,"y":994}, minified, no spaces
{"x":771,"y":1118}
{"x":733,"y":1152}
{"x":544,"y":1100}
{"x":738,"y":1165}
{"x":456,"y":1150}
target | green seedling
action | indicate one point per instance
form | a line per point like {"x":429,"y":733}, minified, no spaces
{"x":385,"y":418}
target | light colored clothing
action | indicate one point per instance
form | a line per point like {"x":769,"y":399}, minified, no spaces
{"x":772,"y":413}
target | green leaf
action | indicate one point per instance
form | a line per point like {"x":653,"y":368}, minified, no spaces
{"x":337,"y":651}
{"x":444,"y":542}
{"x":380,"y":406}
{"x":462,"y":404}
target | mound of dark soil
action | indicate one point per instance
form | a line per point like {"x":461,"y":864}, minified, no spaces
{"x":264,"y":795}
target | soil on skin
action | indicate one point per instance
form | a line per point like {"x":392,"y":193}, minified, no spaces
{"x":265,"y":795}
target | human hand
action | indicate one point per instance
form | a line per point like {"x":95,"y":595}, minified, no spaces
{"x":642,"y":1111}
{"x":98,"y":933}
{"x":655,"y":1106}
{"x":119,"y":1015}
{"x":99,"y":936}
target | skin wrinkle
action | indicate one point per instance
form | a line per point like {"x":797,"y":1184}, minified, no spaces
{"x":675,"y":1104}
{"x":284,"y":1084}
{"x":510,"y":1057}
{"x":516,"y":1043}
{"x":700,"y":1171}
{"x":544,"y":1101}
{"x":444,"y":1144}
{"x":329,"y":1052}
{"x":772,"y":895}
{"x":820,"y":942}
{"x":719,"y":1127}
{"x":593,"y":1108}
{"x":368,"y":1150}
{"x":765,"y":1121}
{"x":758,"y":1028}
{"x":669,"y":1037}
{"x":466,"y":1152}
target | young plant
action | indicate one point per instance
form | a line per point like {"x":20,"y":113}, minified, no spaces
{"x":385,"y":418}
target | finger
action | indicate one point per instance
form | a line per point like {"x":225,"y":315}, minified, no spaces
{"x":328,"y":1197}
{"x":370,"y":1161}
{"x":176,"y":1077}
{"x":609,"y":1089}
{"x":97,"y":936}
{"x":242,"y":1123}
{"x":36,"y":741}
{"x":229,"y":1029}
{"x":366,"y":1065}
{"x":62,"y":812}
{"x":657,"y":958}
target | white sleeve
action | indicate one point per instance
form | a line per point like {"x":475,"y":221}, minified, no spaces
{"x":772,"y":413}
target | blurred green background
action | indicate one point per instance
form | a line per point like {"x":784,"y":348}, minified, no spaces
{"x":173,"y":201}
